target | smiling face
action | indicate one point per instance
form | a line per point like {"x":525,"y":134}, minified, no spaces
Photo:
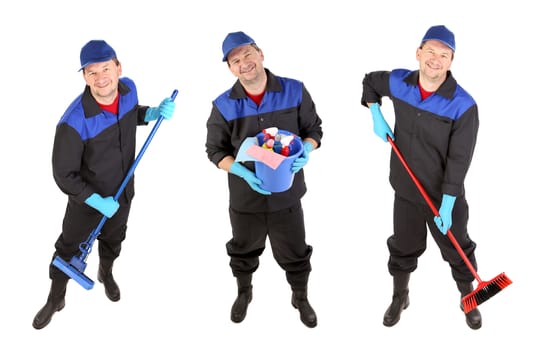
{"x":102,"y":78}
{"x":435,"y":60}
{"x":246,"y":63}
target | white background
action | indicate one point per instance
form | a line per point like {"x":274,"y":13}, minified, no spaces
{"x":177,"y":288}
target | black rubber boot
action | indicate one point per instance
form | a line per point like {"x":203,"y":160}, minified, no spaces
{"x":245,"y":295}
{"x":306,"y":312}
{"x":104,"y":275}
{"x":473,"y":318}
{"x":55,"y":302}
{"x":400,"y":299}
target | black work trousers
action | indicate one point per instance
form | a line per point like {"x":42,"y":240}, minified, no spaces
{"x":79,"y":222}
{"x":286,"y":232}
{"x":409,"y":239}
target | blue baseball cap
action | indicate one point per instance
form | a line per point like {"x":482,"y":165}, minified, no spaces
{"x":441,"y":34}
{"x":234,"y":40}
{"x":95,"y":51}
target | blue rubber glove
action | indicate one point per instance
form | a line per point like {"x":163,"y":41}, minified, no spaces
{"x":166,"y":109}
{"x":445,"y":219}
{"x":381,"y":128}
{"x":249,"y":177}
{"x":106,"y":206}
{"x":304,"y":158}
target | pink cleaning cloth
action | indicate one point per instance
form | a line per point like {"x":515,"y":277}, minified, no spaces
{"x":270,"y":158}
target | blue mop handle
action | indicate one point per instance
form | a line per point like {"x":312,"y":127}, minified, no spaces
{"x":142,"y":150}
{"x":130,"y":173}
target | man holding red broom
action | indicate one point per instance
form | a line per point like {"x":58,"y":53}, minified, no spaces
{"x":436,"y":125}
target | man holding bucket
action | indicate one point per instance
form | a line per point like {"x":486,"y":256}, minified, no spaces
{"x":260,"y":100}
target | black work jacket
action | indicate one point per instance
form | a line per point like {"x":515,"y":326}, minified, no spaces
{"x":286,"y":105}
{"x":436,"y":136}
{"x":94,"y":149}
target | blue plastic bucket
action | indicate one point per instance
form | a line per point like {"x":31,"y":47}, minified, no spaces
{"x":281,"y":178}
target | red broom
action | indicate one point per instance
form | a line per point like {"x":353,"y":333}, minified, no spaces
{"x":484,"y":290}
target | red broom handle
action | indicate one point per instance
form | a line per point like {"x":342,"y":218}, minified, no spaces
{"x":433,"y":208}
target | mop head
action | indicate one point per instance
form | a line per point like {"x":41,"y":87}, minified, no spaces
{"x":485,"y":291}
{"x":75,"y":270}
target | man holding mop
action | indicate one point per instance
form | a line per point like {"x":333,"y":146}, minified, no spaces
{"x":94,"y":147}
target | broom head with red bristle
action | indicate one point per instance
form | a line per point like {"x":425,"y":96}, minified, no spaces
{"x":485,"y":291}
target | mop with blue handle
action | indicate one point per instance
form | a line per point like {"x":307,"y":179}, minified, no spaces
{"x":76,"y":266}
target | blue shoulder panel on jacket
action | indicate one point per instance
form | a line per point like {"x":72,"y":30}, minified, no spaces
{"x":452,"y":108}
{"x":90,"y":126}
{"x":289,"y":96}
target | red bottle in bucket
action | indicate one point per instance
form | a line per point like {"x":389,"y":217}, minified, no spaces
{"x":281,"y":178}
